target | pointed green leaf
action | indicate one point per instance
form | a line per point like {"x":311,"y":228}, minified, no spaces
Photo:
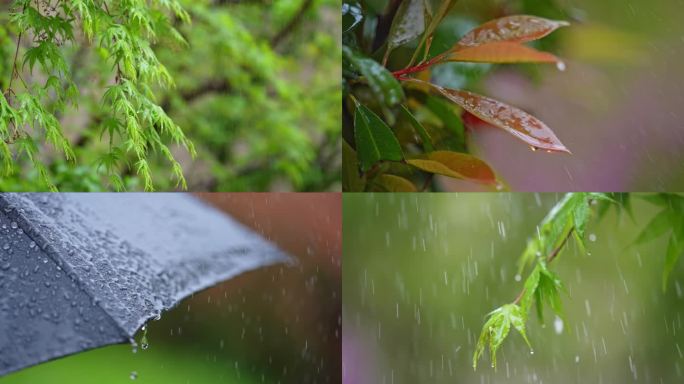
{"x":408,"y":23}
{"x":351,"y":180}
{"x":375,"y":141}
{"x":385,"y":87}
{"x":420,"y":130}
{"x":659,"y":225}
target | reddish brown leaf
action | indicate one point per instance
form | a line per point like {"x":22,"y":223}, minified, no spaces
{"x":501,"y":52}
{"x":514,"y":29}
{"x":456,"y":165}
{"x":515,"y":121}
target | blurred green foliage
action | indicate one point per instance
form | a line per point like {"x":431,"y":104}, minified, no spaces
{"x":252,"y":95}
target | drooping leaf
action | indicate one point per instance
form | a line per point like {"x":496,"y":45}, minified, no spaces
{"x":659,"y":225}
{"x":515,"y":29}
{"x":502,"y":52}
{"x":675,"y":248}
{"x":375,"y":141}
{"x":456,"y":165}
{"x":513,"y":120}
{"x":420,"y":130}
{"x":392,"y":183}
{"x":351,"y":180}
{"x":385,"y":87}
{"x":530,"y":289}
{"x":408,"y":23}
{"x":497,"y":328}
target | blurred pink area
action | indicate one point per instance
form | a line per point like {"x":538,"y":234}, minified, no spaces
{"x":622,"y":121}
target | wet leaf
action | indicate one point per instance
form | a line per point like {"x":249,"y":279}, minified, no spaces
{"x":456,"y":165}
{"x":375,"y":141}
{"x":514,"y":29}
{"x":392,"y":183}
{"x":502,"y":52}
{"x":531,"y":285}
{"x":420,"y":130}
{"x":435,"y":19}
{"x":496,"y":329}
{"x":385,"y":87}
{"x":408,"y":23}
{"x":514,"y":120}
{"x":351,"y":180}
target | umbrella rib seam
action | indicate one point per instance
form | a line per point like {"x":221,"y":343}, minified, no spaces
{"x":31,"y":231}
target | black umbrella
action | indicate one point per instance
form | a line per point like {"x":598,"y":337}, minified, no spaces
{"x":80,"y":271}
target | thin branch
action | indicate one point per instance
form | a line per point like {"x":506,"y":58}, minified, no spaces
{"x":14,"y":65}
{"x":549,"y":259}
{"x":291,"y":25}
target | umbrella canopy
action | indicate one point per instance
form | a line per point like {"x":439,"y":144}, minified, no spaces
{"x":80,"y":271}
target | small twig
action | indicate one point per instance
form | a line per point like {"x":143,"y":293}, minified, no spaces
{"x":562,"y":244}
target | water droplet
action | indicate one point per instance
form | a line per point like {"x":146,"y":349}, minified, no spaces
{"x":6,"y":247}
{"x":534,"y":149}
{"x":576,"y":358}
{"x":5,"y":266}
{"x":134,"y":375}
{"x":144,"y":327}
{"x":558,"y":325}
{"x":561,"y":66}
{"x":518,"y":277}
{"x":592,"y":237}
{"x":13,"y":225}
{"x":531,"y":351}
{"x":144,"y":345}
{"x":32,"y":244}
{"x":45,"y":260}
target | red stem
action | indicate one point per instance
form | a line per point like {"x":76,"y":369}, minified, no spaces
{"x":417,"y":68}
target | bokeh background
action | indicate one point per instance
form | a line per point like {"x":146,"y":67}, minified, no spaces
{"x":617,"y":106}
{"x":422,"y":271}
{"x":280,"y":324}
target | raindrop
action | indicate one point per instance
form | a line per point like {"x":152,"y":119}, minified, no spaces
{"x":592,"y":237}
{"x":558,"y":325}
{"x":13,"y":225}
{"x":6,"y":246}
{"x":561,"y":66}
{"x":531,"y":351}
{"x":518,"y":277}
{"x":534,"y":149}
{"x":576,"y":358}
{"x":45,"y":260}
{"x":134,"y":375}
{"x":32,"y":244}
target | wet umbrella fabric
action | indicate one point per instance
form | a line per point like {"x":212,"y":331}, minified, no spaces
{"x":80,"y":271}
